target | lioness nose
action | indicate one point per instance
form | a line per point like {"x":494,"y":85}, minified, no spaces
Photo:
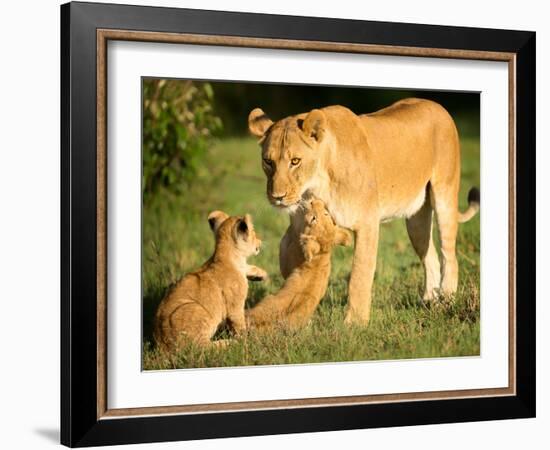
{"x":278,"y":196}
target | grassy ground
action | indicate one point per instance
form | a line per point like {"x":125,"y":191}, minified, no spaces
{"x":177,"y":239}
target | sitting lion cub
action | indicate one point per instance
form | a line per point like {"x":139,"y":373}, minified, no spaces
{"x":295,"y":303}
{"x":202,"y":300}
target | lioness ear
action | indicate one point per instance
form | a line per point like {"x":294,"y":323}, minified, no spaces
{"x":343,"y":237}
{"x":258,"y":122}
{"x":215,"y":219}
{"x":314,"y":125}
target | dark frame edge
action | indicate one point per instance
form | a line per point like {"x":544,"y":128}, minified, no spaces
{"x":525,"y":223}
{"x":65,"y":187}
{"x":78,"y":226}
{"x":301,"y":420}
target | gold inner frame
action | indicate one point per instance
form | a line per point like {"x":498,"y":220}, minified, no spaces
{"x":103,"y":36}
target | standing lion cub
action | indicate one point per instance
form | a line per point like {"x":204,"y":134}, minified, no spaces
{"x":295,"y":303}
{"x":196,"y":306}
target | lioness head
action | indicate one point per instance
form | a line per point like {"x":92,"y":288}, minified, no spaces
{"x":290,"y":153}
{"x":320,"y":232}
{"x":237,"y":231}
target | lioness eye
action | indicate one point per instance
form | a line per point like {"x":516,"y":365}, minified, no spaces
{"x":295,"y":161}
{"x":268,"y":162}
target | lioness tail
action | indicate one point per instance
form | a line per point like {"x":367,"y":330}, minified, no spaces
{"x":473,"y":206}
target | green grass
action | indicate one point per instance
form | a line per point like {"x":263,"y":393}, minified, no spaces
{"x":177,"y":239}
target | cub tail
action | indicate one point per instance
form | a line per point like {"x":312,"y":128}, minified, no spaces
{"x":473,"y":206}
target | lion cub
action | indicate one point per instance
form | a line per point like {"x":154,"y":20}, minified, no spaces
{"x":295,"y":303}
{"x":202,"y":300}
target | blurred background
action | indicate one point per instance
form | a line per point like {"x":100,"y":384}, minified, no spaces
{"x":181,"y":117}
{"x":198,"y":157}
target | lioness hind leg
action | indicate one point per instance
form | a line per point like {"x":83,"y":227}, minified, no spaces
{"x":446,"y":209}
{"x":419,"y":227}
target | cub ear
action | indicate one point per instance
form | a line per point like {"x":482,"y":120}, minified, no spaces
{"x":248,"y":220}
{"x":343,"y":237}
{"x":245,"y":224}
{"x":258,"y":122}
{"x":310,"y":246}
{"x":215,"y":219}
{"x":243,"y":227}
{"x":314,"y":125}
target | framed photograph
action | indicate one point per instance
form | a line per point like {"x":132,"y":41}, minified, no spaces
{"x":277,"y":224}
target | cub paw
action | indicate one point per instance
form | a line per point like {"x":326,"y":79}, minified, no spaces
{"x":257,"y":274}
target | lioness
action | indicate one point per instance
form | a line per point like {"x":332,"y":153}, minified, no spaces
{"x":202,"y":300}
{"x":295,"y":303}
{"x":401,"y":161}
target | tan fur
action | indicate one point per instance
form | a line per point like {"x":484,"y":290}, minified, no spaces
{"x":295,"y":303}
{"x":402,"y":161}
{"x":202,"y":300}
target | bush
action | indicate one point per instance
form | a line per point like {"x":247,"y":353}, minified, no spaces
{"x":178,"y":127}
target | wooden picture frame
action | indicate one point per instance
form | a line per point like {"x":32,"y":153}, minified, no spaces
{"x":85,"y":417}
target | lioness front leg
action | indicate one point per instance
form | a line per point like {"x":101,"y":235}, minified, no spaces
{"x":290,"y":251}
{"x":362,"y":274}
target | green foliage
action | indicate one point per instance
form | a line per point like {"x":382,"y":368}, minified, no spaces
{"x":177,"y":239}
{"x":178,"y":127}
{"x":235,"y":100}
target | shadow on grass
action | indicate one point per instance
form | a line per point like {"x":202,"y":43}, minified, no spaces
{"x":151,"y":300}
{"x":257,"y":291}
